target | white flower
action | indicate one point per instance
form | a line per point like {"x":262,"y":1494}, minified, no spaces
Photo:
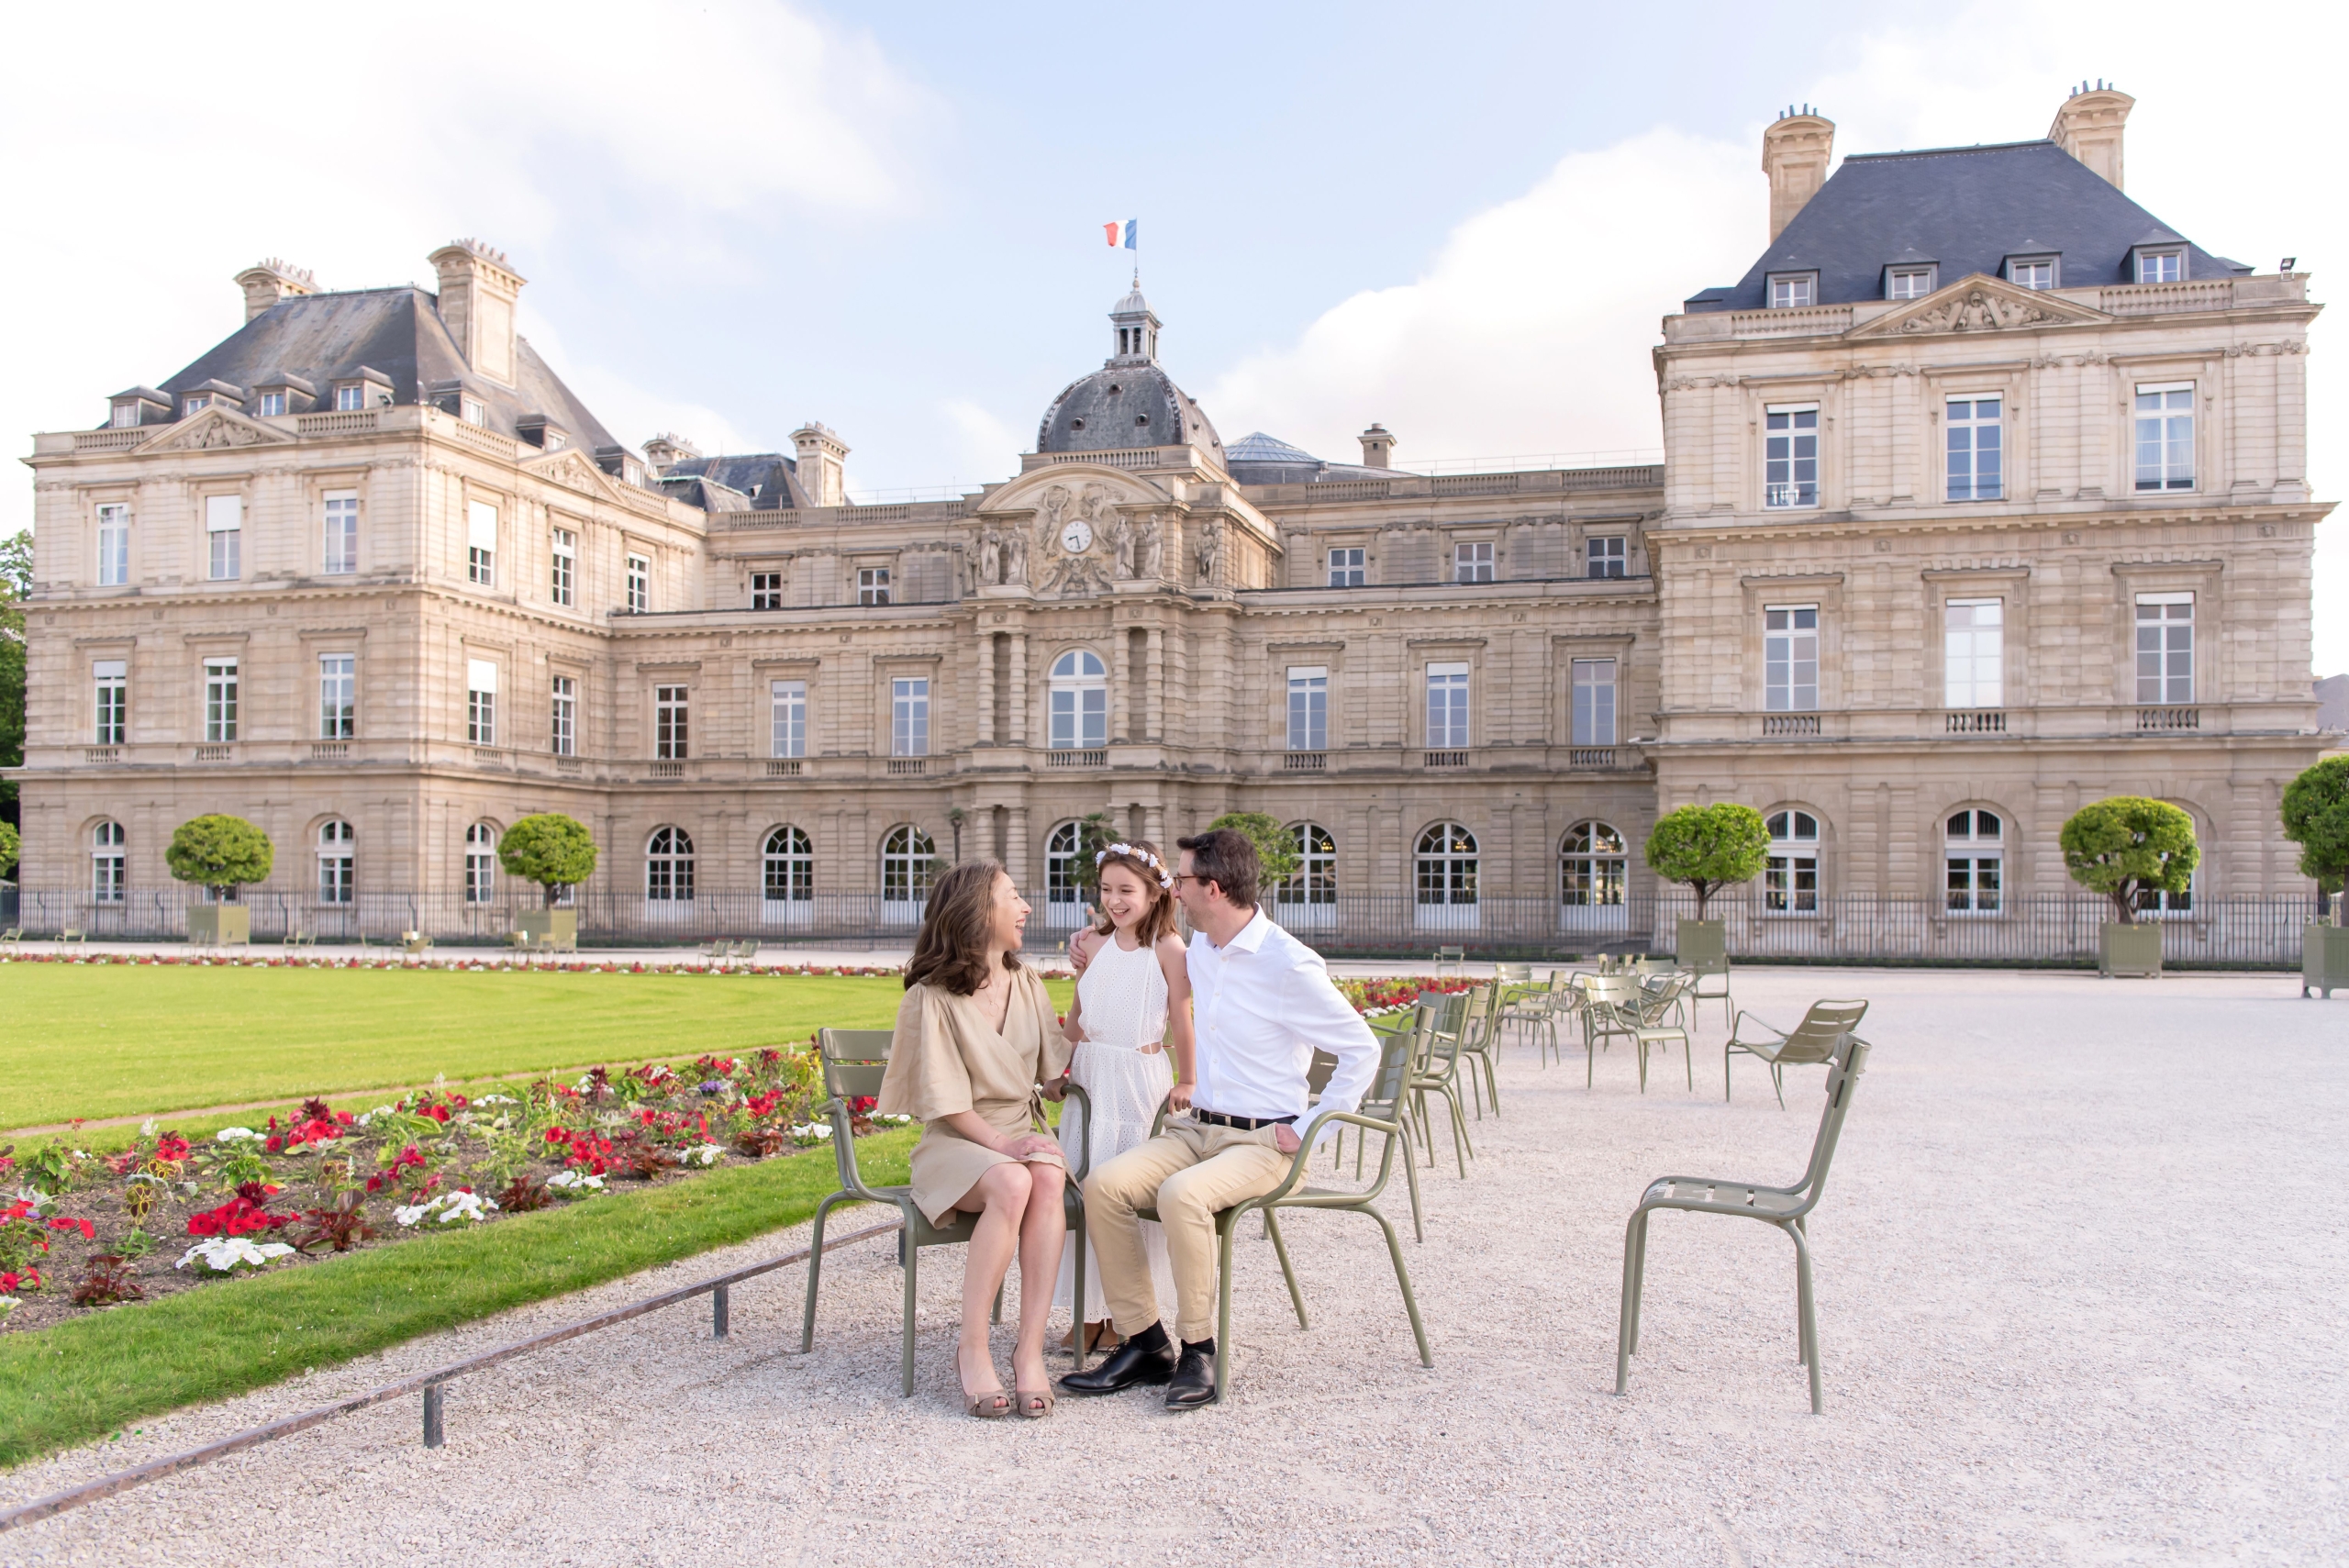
{"x":8,"y":1304}
{"x":465,"y":1206}
{"x":224,"y":1253}
{"x":497,"y":1100}
{"x":235,"y":1135}
{"x":573,"y":1180}
{"x":707,"y":1155}
{"x":408,"y":1214}
{"x":811,"y":1132}
{"x":146,"y":1127}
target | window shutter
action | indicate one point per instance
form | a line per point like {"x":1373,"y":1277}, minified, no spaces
{"x":223,"y":513}
{"x":480,"y":675}
{"x":480,"y":526}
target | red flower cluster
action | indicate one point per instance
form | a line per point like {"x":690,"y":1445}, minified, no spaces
{"x":238,"y":1216}
{"x":28,"y":1279}
{"x":764,"y":1105}
{"x":89,"y":1231}
{"x":1397,"y":993}
{"x":407,"y":1159}
{"x":862,"y":1104}
{"x":311,"y":1129}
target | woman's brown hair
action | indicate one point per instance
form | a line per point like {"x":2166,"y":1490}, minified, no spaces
{"x":951,"y":950}
{"x":1159,"y":922}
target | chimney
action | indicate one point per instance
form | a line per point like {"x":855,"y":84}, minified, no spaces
{"x":2088,"y":127}
{"x":823,"y":457}
{"x":266,"y":283}
{"x":477,"y":291}
{"x":666,"y":450}
{"x":1794,"y":153}
{"x":1377,"y":446}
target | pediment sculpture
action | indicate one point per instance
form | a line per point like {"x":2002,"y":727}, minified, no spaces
{"x":1980,"y":303}
{"x":217,"y":428}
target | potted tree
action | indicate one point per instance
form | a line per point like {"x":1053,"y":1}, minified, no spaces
{"x":1708,"y":848}
{"x":220,"y":854}
{"x":2125,"y":847}
{"x":2316,"y":817}
{"x":556,"y":851}
{"x":1275,"y":845}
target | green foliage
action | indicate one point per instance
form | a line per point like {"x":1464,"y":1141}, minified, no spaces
{"x":1275,"y":845}
{"x":9,"y":845}
{"x":16,"y":586}
{"x":551,"y":849}
{"x":1095,"y":833}
{"x":2316,"y":817}
{"x":220,"y":852}
{"x":2127,"y":847}
{"x":1709,"y":847}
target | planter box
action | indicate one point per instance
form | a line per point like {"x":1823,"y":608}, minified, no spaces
{"x":219,"y":925}
{"x":1702,"y":945}
{"x":543,"y":926}
{"x":2324,"y":958}
{"x":2128,"y":950}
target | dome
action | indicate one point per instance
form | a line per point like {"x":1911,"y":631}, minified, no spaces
{"x":1129,"y":402}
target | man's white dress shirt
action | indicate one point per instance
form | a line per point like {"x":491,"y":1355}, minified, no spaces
{"x":1261,"y":1005}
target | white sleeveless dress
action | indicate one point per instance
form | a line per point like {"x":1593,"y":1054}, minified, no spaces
{"x":1124,"y":997}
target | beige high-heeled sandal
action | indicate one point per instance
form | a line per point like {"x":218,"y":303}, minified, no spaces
{"x":988,"y":1404}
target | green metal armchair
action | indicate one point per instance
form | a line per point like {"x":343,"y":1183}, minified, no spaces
{"x":1814,"y":1040}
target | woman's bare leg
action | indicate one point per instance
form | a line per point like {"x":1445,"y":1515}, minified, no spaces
{"x":1041,"y":1233}
{"x":999,"y":1200}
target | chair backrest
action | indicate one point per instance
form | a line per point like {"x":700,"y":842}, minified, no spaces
{"x":1659,"y":999}
{"x":1821,"y":1031}
{"x":1512,"y":973}
{"x":854,"y":1060}
{"x":1701,"y":942}
{"x":1850,"y":1062}
{"x":1609,"y":990}
{"x":1398,"y":1053}
{"x":1316,"y":1077}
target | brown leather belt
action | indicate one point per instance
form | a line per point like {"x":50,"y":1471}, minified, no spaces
{"x":1244,"y":1123}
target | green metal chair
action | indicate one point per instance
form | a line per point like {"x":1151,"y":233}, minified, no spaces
{"x":1452,"y":959}
{"x":1413,"y":1029}
{"x":1380,"y":1112}
{"x":1480,"y":1045}
{"x":1436,"y":1068}
{"x":1704,"y":954}
{"x":855,"y":1063}
{"x":1814,"y":1040}
{"x":1608,"y":1012}
{"x":1786,"y":1207}
{"x":1658,"y":1020}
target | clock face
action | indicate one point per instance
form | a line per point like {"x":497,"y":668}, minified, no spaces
{"x":1078,"y":538}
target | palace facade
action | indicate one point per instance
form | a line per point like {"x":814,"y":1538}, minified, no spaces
{"x":1983,"y":496}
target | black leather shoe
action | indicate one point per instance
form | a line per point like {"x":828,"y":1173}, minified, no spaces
{"x":1193,"y":1381}
{"x":1145,"y":1358}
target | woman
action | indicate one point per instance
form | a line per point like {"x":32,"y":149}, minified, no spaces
{"x":975,"y":1035}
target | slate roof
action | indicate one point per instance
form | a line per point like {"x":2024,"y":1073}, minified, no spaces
{"x":1260,"y":458}
{"x":1124,"y":404}
{"x":768,"y":481}
{"x":1965,"y":209}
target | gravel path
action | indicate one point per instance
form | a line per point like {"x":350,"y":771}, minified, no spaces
{"x":2080,"y":1301}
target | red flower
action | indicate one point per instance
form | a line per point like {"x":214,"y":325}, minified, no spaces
{"x":89,"y":1231}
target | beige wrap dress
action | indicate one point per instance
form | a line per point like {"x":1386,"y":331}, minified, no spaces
{"x":946,"y":1058}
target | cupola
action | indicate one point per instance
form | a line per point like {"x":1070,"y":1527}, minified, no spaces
{"x":1136,"y":330}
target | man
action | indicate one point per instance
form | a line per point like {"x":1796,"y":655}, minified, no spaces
{"x":1261,"y":1004}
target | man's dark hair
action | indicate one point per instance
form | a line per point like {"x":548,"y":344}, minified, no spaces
{"x":1225,"y":857}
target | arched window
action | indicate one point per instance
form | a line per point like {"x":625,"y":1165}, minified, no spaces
{"x":2157,"y":904}
{"x":1063,"y":885}
{"x":1315,"y":880}
{"x":1447,"y":866}
{"x":1591,"y":865}
{"x":908,"y":865}
{"x":481,"y":863}
{"x":669,"y":866}
{"x":1080,"y":702}
{"x":1790,"y":881}
{"x":336,"y":846}
{"x":790,"y":867}
{"x":106,"y":860}
{"x":1974,"y":844}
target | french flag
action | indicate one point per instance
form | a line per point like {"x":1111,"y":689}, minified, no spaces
{"x":1132,"y":227}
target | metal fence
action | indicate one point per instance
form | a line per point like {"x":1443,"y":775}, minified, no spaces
{"x":1853,"y":928}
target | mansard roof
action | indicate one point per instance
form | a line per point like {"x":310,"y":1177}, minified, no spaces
{"x":768,"y":480}
{"x":1966,"y":209}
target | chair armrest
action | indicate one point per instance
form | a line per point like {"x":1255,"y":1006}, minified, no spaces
{"x":1085,"y":1143}
{"x":1158,"y":1122}
{"x":1741,"y":1016}
{"x":844,"y":1151}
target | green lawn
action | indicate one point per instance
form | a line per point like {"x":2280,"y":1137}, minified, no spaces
{"x":103,"y":1040}
{"x":92,"y":1376}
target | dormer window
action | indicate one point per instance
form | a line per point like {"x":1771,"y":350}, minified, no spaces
{"x":272,"y":404}
{"x":473,"y":411}
{"x":2032,"y":271}
{"x":1907,"y":283}
{"x":1793,"y":291}
{"x":126,"y":415}
{"x":351,"y":395}
{"x":2162,"y":266}
{"x":192,"y":406}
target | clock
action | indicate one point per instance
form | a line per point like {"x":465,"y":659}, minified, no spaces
{"x":1078,"y":538}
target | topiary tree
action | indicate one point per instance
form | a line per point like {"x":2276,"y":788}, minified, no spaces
{"x":222,"y":853}
{"x":551,"y":849}
{"x":2316,"y":817}
{"x":1275,"y":845}
{"x":2127,"y":846}
{"x":9,"y":843}
{"x":1095,"y":833}
{"x":1709,"y":847}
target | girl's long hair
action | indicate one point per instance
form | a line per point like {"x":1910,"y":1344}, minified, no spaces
{"x":951,"y":950}
{"x":1159,"y":919}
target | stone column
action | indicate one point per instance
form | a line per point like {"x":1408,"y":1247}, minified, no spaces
{"x":987,"y":689}
{"x":1154,"y":674}
{"x":1018,"y":853}
{"x":1018,"y":696}
{"x":1121,"y":715}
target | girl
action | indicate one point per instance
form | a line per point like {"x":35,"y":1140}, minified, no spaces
{"x":1134,"y":996}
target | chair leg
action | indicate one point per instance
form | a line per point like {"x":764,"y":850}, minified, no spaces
{"x":905,"y":1358}
{"x":1280,"y":1250}
{"x":1403,"y":1280}
{"x":1688,"y":1060}
{"x":1627,"y":1315}
{"x":995,"y":1314}
{"x":814,"y":1273}
{"x":1643,"y":1046}
{"x":1223,"y":1313}
{"x":1807,"y":1314}
{"x":1725,"y":1055}
{"x":1460,"y":1142}
{"x":1411,"y":1179}
{"x":1077,"y":1298}
{"x":1778,"y":1083}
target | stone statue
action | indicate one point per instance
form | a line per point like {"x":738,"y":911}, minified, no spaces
{"x":1015,"y":554}
{"x":1210,"y":552}
{"x":990,"y":564}
{"x":1154,"y":550}
{"x":1121,"y":539}
{"x":1055,"y":506}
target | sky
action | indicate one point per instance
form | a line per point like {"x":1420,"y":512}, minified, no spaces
{"x":1464,"y":223}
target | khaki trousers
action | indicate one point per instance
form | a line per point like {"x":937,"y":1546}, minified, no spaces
{"x":1186,"y":1173}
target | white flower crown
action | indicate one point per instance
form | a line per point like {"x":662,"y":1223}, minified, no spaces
{"x":1164,"y":880}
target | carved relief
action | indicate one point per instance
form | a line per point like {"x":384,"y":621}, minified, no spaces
{"x":1980,"y":304}
{"x":214,"y":430}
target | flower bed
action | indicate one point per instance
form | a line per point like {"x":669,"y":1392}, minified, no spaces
{"x":1374,"y":997}
{"x":486,"y":959}
{"x":85,"y":1231}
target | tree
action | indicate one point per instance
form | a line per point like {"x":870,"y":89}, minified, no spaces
{"x":2126,"y":846}
{"x":1709,"y":846}
{"x":1275,"y":845}
{"x":2316,"y":817}
{"x":16,"y":586}
{"x":8,"y":845}
{"x":551,"y":849}
{"x":222,"y":853}
{"x":1094,"y":834}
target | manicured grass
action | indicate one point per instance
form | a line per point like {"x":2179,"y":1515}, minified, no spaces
{"x":87,"y":1377}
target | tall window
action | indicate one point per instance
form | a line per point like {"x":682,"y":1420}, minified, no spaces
{"x":224,"y":528}
{"x":126,"y":415}
{"x":339,"y":546}
{"x":107,"y":860}
{"x":1909,"y":283}
{"x":2032,"y":274}
{"x":1974,"y":654}
{"x":2160,"y":266}
{"x":908,"y":865}
{"x":1790,"y":455}
{"x":1606,"y":555}
{"x":337,"y":844}
{"x":219,"y":700}
{"x":563,"y":720}
{"x":2164,"y":647}
{"x":872,"y":585}
{"x":1447,"y":707}
{"x":790,"y":717}
{"x":1790,"y":658}
{"x":481,"y":702}
{"x":2165,"y":437}
{"x":766,"y":590}
{"x":639,"y":585}
{"x":473,"y":411}
{"x":562,"y":569}
{"x":1308,"y":708}
{"x":1790,"y":876}
{"x":112,"y":678}
{"x":481,"y":864}
{"x":1591,"y":866}
{"x":789,"y":867}
{"x":669,"y":714}
{"x":1063,"y":889}
{"x":114,"y":544}
{"x":1315,"y":881}
{"x":1794,"y":291}
{"x":1446,"y":865}
{"x":1594,"y":702}
{"x":669,"y":866}
{"x":1974,"y":849}
{"x":272,"y":404}
{"x":1974,"y":454}
{"x":347,"y":398}
{"x":910,"y":715}
{"x":1079,"y":702}
{"x":338,"y":696}
{"x":1471,"y":561}
{"x":481,"y":543}
{"x":1346,"y":568}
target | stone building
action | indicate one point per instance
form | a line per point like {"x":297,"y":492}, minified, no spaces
{"x":1983,"y":495}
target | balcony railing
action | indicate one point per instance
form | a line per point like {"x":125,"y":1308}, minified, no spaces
{"x":1069,"y":757}
{"x":1780,"y":725}
{"x":907,"y":766}
{"x":330,"y":751}
{"x":102,"y":754}
{"x":216,"y":753}
{"x":1584,"y":757}
{"x":1975,"y":721}
{"x":1444,"y":760}
{"x":782,"y":767}
{"x":1305,"y":762}
{"x":2163,"y":719}
{"x":667,"y":771}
